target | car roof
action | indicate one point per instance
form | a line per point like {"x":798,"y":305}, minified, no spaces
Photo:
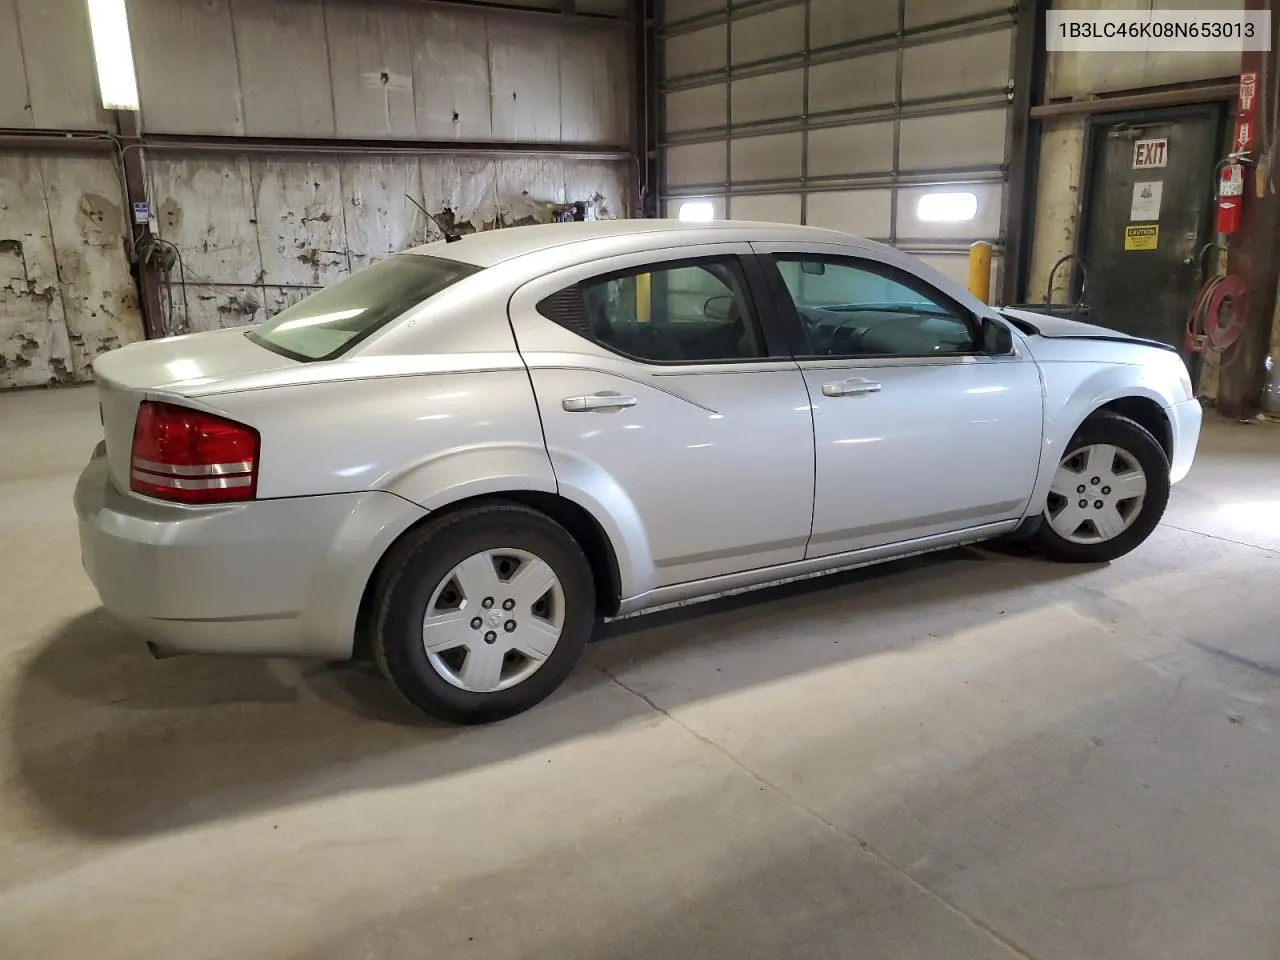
{"x":491,"y":247}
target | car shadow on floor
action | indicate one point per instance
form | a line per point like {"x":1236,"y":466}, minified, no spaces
{"x":112,"y":742}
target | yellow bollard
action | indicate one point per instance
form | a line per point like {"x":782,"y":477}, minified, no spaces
{"x":980,"y":270}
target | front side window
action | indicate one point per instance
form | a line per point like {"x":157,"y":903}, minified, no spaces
{"x":861,"y":309}
{"x":332,"y":320}
{"x":690,"y":311}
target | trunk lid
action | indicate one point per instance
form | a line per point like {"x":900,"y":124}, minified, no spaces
{"x":168,"y":369}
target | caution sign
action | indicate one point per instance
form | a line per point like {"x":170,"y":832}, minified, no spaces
{"x":1144,"y":237}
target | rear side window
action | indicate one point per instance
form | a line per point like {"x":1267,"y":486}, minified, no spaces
{"x":689,"y":311}
{"x":334,"y":319}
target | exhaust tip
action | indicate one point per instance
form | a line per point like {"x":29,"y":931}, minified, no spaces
{"x":162,"y":653}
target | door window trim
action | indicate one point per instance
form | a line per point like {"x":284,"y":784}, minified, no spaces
{"x":776,"y":342}
{"x":799,"y":333}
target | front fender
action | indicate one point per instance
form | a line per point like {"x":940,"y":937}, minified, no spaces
{"x":1073,"y":393}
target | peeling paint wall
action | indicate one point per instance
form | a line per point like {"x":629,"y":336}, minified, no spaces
{"x":257,"y":234}
{"x":341,"y":68}
{"x":66,"y":294}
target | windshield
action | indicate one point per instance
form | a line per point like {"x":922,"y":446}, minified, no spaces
{"x":334,"y":319}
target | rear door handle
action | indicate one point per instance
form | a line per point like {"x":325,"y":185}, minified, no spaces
{"x":850,"y":388}
{"x":597,"y":402}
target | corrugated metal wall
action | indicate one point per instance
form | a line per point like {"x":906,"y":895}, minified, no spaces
{"x":258,"y":229}
{"x":841,"y":114}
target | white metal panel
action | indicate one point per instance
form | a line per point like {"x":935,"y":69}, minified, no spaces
{"x":773,"y":157}
{"x":381,"y":219}
{"x":1083,"y":72}
{"x":961,"y":65}
{"x":371,"y":69}
{"x":676,"y":10}
{"x":969,"y":139}
{"x":15,"y":104}
{"x":205,"y":207}
{"x":185,"y":55}
{"x":771,"y":208}
{"x":57,"y":52}
{"x":593,"y":86}
{"x":920,"y":13}
{"x":451,"y":75}
{"x":696,"y":108}
{"x":860,"y":148}
{"x":845,"y":84}
{"x":524,"y":55}
{"x":772,"y":34}
{"x":841,"y":21}
{"x":299,"y":212}
{"x":697,"y":51}
{"x":864,"y":213}
{"x":985,"y":226}
{"x":769,"y":97}
{"x":692,"y":163}
{"x":284,"y":96}
{"x":66,"y":294}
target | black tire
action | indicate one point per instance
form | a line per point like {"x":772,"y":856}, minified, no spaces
{"x":426,"y":557}
{"x":1137,"y":441}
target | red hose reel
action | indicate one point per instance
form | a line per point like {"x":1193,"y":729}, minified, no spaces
{"x":1217,"y":319}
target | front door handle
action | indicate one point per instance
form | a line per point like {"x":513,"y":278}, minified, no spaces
{"x":850,"y":388}
{"x":597,"y":402}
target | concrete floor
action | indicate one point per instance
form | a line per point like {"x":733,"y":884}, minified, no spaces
{"x":973,"y":755}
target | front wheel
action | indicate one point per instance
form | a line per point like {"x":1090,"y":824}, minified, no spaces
{"x":1108,"y":494}
{"x":483,"y":613}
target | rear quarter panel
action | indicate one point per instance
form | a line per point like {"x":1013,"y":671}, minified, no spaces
{"x":430,"y":438}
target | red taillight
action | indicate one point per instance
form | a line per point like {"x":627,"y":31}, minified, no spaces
{"x":191,"y":456}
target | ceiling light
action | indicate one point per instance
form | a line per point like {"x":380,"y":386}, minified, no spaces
{"x":697,"y":211}
{"x":113,"y":54}
{"x":947,"y":207}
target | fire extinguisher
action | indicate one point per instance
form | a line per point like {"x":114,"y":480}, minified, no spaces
{"x":1230,"y":197}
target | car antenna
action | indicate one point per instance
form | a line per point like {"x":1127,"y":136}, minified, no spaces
{"x":448,"y":236}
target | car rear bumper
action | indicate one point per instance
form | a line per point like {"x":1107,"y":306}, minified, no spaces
{"x":1185,"y":418}
{"x":269,"y":577}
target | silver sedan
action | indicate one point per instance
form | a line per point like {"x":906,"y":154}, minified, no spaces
{"x":459,"y":459}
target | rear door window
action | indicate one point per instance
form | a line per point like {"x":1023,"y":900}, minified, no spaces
{"x":331,"y":321}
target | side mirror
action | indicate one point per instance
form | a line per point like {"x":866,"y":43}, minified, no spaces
{"x":718,"y":308}
{"x":997,"y":340}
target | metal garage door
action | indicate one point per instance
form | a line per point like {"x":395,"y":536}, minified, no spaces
{"x":884,"y":118}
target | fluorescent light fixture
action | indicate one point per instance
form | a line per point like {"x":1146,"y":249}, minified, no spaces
{"x":697,"y":211}
{"x":113,"y":54}
{"x":947,"y":207}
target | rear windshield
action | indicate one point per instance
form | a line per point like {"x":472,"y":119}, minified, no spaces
{"x":336,"y":318}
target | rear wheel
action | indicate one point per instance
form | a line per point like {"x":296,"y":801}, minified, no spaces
{"x":484,"y":613}
{"x":1108,"y":494}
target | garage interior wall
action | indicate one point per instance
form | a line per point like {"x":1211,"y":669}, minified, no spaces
{"x":1080,"y":75}
{"x":539,"y":108}
{"x":841,"y":114}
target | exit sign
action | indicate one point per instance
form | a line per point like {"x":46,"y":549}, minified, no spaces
{"x":1150,"y":153}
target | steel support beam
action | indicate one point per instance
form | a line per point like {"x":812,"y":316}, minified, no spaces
{"x":1024,"y":149}
{"x":1173,"y":97}
{"x":648,"y":182}
{"x":1254,"y":252}
{"x":146,"y":273}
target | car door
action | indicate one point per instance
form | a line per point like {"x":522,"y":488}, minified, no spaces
{"x":671,"y":411}
{"x":918,"y":430}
